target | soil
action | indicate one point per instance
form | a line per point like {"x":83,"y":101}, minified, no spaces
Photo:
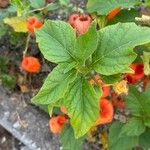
{"x":8,"y":142}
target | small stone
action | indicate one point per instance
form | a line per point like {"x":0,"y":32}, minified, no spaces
{"x":6,"y":114}
{"x":33,"y":145}
{"x":3,"y":140}
{"x":16,"y":125}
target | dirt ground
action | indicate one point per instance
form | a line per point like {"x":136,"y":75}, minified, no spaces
{"x":8,"y":142}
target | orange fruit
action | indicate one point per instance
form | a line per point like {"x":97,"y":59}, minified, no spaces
{"x":31,"y":64}
{"x":33,"y":23}
{"x":57,"y":123}
{"x":106,"y":112}
{"x":137,"y":75}
{"x":113,"y":13}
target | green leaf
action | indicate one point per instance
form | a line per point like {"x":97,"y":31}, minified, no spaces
{"x":134,"y":127}
{"x":146,"y":60}
{"x":114,"y":52}
{"x":55,"y":86}
{"x":43,"y":107}
{"x":138,"y":103}
{"x":102,"y":7}
{"x":123,"y":142}
{"x":86,"y":44}
{"x":56,"y":40}
{"x":37,"y":3}
{"x":82,"y":103}
{"x":98,"y":90}
{"x":52,"y":106}
{"x":134,"y":102}
{"x":70,"y":66}
{"x":68,"y":140}
{"x":144,"y":139}
{"x":58,"y":43}
{"x":50,"y":109}
{"x":147,"y":2}
{"x":139,"y":51}
{"x":146,"y":92}
{"x":111,"y":79}
{"x":147,"y":116}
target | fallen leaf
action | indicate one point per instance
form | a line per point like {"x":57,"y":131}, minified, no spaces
{"x":21,"y":82}
{"x":17,"y":23}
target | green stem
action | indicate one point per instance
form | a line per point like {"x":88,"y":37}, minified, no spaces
{"x":84,"y":70}
{"x":27,"y":45}
{"x":34,"y":10}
